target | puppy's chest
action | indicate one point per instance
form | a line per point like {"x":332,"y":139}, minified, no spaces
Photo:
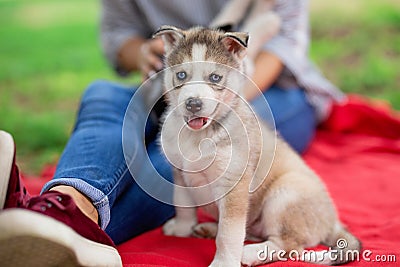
{"x":203,"y":160}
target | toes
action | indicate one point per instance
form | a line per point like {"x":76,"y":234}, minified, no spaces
{"x":205,"y":230}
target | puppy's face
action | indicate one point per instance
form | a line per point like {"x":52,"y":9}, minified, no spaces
{"x":203,"y":76}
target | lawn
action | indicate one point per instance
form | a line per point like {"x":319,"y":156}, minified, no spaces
{"x":49,"y":52}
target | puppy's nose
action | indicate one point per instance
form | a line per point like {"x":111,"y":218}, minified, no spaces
{"x":193,"y":104}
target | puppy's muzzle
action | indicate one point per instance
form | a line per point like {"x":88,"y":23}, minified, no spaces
{"x":194,"y":121}
{"x":193,"y":104}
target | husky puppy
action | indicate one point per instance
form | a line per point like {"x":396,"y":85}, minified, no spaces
{"x":225,"y":159}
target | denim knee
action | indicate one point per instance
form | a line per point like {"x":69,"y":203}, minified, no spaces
{"x":105,"y":102}
{"x":101,"y":90}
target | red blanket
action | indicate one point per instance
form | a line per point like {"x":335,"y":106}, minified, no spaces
{"x":356,"y":152}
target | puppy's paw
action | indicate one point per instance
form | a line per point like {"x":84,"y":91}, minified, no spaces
{"x":206,"y":230}
{"x":180,"y":228}
{"x":253,"y":255}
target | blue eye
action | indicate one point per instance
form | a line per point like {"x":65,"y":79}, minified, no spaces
{"x":181,"y":75}
{"x":215,"y":78}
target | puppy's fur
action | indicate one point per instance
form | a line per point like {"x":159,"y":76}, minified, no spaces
{"x":263,"y":189}
{"x":256,"y":17}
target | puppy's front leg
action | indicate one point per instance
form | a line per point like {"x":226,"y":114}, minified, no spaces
{"x":185,"y":217}
{"x":231,"y":227}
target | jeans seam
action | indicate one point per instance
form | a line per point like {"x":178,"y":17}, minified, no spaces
{"x":121,"y":171}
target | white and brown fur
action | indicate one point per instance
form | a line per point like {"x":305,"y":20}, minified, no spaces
{"x":256,"y":17}
{"x":289,"y":210}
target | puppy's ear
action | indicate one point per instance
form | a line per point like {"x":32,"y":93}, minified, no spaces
{"x":236,"y":43}
{"x":170,"y":35}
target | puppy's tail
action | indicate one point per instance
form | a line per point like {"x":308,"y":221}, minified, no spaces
{"x":343,"y":247}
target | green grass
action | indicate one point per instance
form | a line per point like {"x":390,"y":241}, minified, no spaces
{"x":357,"y":45}
{"x":49,"y":53}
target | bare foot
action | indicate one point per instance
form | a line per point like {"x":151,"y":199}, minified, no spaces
{"x":83,"y":203}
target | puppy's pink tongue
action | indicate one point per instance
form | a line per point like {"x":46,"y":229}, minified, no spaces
{"x":197,"y":123}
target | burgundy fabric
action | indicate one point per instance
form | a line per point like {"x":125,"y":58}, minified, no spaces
{"x":62,"y":208}
{"x":53,"y":204}
{"x":356,"y":152}
{"x":17,"y":194}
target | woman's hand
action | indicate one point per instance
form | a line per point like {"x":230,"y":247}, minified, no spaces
{"x":149,"y":59}
{"x":143,"y":55}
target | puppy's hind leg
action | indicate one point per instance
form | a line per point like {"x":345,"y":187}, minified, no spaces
{"x":344,"y":246}
{"x":282,"y":224}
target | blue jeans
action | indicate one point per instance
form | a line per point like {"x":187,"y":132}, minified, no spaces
{"x":93,"y":161}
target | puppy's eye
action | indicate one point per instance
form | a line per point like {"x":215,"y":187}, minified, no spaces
{"x":215,"y":78}
{"x":181,"y":75}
